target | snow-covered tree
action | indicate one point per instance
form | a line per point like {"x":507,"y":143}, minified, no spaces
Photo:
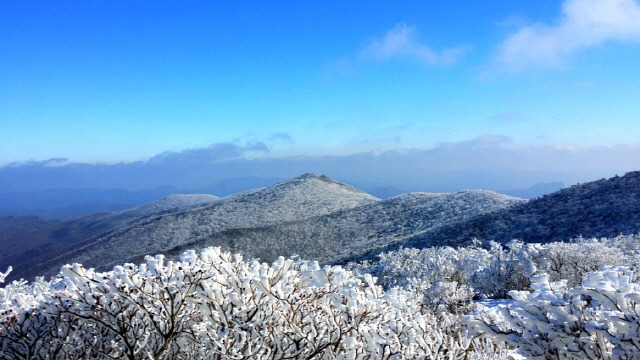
{"x":215,"y":305}
{"x":598,"y":320}
{"x":491,"y":270}
{"x":571,"y":261}
{"x":451,"y":278}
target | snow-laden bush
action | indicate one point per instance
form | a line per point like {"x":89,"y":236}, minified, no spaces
{"x":23,"y":324}
{"x":3,"y":275}
{"x":573,"y":260}
{"x":215,"y":305}
{"x":598,"y":320}
{"x":629,"y":245}
{"x":505,"y":268}
{"x":451,"y":277}
{"x":438,"y":274}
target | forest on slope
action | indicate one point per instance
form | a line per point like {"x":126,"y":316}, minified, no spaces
{"x":602,"y":208}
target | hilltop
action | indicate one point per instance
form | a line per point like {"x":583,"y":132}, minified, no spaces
{"x":339,"y":236}
{"x":296,"y":199}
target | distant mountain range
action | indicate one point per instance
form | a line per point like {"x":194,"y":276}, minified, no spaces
{"x":318,"y":219}
{"x":68,"y":203}
{"x":536,"y":190}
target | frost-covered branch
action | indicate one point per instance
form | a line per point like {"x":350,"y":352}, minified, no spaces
{"x":215,"y":305}
{"x":598,"y":320}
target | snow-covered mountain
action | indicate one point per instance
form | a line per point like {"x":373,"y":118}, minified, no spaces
{"x":311,"y":215}
{"x":27,"y":241}
{"x":320,"y":219}
{"x":346,"y":234}
{"x":303,"y":197}
{"x":602,"y":208}
{"x":171,"y":203}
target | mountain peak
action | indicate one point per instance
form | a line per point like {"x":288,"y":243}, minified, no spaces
{"x":310,"y":182}
{"x":310,"y":176}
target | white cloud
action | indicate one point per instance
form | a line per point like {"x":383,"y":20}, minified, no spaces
{"x":583,"y":24}
{"x":214,"y":153}
{"x":403,"y":42}
{"x":480,"y":143}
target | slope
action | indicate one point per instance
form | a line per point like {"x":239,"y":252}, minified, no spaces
{"x":339,"y":236}
{"x":602,"y":208}
{"x":311,"y":216}
{"x":300,"y":198}
{"x":26,"y":247}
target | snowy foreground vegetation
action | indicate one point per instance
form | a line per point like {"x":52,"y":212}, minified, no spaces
{"x":575,"y":300}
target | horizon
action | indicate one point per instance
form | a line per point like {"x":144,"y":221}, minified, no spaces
{"x":462,"y":95}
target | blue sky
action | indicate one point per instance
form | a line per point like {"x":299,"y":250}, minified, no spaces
{"x":109,"y":82}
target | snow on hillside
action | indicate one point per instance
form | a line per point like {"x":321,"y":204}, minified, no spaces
{"x":308,"y":194}
{"x":603,"y":208}
{"x":571,"y":300}
{"x":414,"y":304}
{"x":215,"y":305}
{"x":300,"y":198}
{"x":347,"y":234}
{"x":31,"y":241}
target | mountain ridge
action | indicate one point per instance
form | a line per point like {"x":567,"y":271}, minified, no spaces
{"x":321,"y":219}
{"x":33,"y":246}
{"x":355,"y":230}
{"x":304,"y":196}
{"x":304,"y":223}
{"x":601,"y":208}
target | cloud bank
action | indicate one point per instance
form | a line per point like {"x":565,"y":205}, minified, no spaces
{"x":403,"y":42}
{"x":583,"y":24}
{"x":487,"y":162}
{"x":214,"y":153}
